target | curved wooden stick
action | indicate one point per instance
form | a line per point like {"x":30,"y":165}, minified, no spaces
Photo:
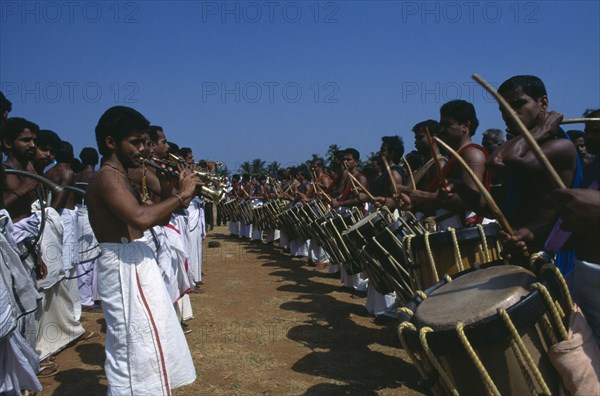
{"x":410,"y":173}
{"x":355,"y":181}
{"x":533,"y":145}
{"x":435,"y":158}
{"x":578,"y":120}
{"x":484,"y":192}
{"x":390,"y":174}
{"x":318,"y":188}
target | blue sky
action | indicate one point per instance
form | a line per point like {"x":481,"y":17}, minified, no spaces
{"x":280,"y":80}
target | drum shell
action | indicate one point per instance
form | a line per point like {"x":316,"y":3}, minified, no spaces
{"x":491,"y":340}
{"x":443,"y":252}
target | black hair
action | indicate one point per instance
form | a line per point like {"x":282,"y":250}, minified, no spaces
{"x":415,"y":160}
{"x":236,"y":176}
{"x":153,"y":132}
{"x":47,"y":138}
{"x":462,"y":111}
{"x":14,"y":127}
{"x":353,"y":152}
{"x":64,"y":153}
{"x":76,"y":165}
{"x":530,"y":85}
{"x":89,"y":156}
{"x":184,"y":151}
{"x":592,"y":113}
{"x":119,"y":122}
{"x":432,"y":125}
{"x":575,"y":134}
{"x":395,"y":146}
{"x":318,"y":162}
{"x":5,"y":104}
{"x":173,"y":148}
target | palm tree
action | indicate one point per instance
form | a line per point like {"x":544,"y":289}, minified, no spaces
{"x":258,"y":167}
{"x":273,"y":168}
{"x":333,"y":148}
{"x":245,"y":167}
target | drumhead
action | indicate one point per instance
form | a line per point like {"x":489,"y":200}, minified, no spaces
{"x":474,"y":296}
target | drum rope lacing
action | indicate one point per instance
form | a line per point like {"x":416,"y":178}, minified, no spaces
{"x":486,"y":251}
{"x":457,"y":255}
{"x":446,"y":378}
{"x":526,"y":363}
{"x":485,"y":376}
{"x":524,"y":353}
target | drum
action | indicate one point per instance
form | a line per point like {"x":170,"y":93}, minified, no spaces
{"x":288,"y":223}
{"x":385,"y":257}
{"x":433,"y":255}
{"x":333,"y":228}
{"x":488,"y":331}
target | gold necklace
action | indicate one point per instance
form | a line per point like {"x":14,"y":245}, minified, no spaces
{"x":115,"y":168}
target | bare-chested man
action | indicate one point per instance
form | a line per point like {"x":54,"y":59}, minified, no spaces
{"x":458,"y":123}
{"x":351,"y":194}
{"x":63,"y":175}
{"x":528,"y":205}
{"x":18,"y":144}
{"x":145,"y":346}
{"x":427,"y":173}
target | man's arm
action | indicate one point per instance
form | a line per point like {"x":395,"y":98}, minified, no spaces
{"x":63,"y":177}
{"x":117,"y":196}
{"x":15,"y":189}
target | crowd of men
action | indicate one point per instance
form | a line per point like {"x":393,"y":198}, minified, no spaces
{"x":91,"y":246}
{"x":134,"y":243}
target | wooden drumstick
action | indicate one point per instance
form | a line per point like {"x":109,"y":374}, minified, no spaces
{"x":390,"y":174}
{"x":484,"y":192}
{"x":355,"y":181}
{"x":535,"y":147}
{"x":410,"y":173}
{"x":579,"y":120}
{"x":435,"y":158}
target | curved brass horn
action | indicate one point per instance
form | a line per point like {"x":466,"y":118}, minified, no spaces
{"x":42,"y":180}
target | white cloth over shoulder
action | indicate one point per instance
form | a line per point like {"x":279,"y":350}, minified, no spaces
{"x":146,"y":351}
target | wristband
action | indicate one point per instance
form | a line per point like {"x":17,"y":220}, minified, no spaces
{"x":179,"y":198}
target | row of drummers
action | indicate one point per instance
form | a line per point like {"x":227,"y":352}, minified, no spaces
{"x":469,"y":322}
{"x":393,"y":250}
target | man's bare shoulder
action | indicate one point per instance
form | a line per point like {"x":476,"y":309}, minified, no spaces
{"x":474,"y":154}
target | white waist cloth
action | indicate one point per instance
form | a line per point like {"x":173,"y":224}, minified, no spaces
{"x":146,"y":351}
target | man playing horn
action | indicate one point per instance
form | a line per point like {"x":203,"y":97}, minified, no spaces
{"x":146,"y":350}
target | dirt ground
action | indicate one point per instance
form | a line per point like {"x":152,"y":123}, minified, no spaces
{"x":265,"y":324}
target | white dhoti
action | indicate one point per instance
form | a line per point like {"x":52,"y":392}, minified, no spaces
{"x":156,"y":238}
{"x":587,"y":287}
{"x":283,"y":240}
{"x":146,"y":351}
{"x":272,"y":235}
{"x":71,"y":257}
{"x":299,"y":247}
{"x":18,"y":365}
{"x":234,"y":228}
{"x":378,"y":304}
{"x":197,"y":234}
{"x":18,"y":361}
{"x":89,"y":251}
{"x":256,"y":233}
{"x":316,"y":252}
{"x":176,"y":240}
{"x":356,"y":281}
